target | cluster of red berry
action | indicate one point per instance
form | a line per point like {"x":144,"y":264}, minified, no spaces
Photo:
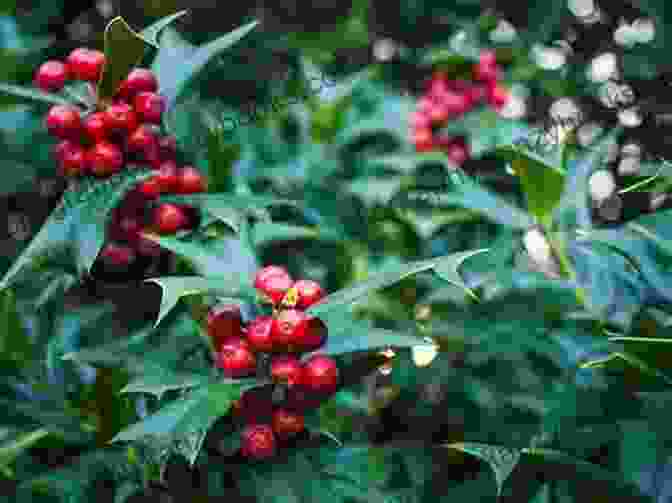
{"x":447,"y":99}
{"x":126,"y":131}
{"x":280,"y":338}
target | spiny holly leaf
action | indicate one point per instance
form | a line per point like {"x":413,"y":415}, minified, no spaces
{"x":152,"y":32}
{"x":347,"y":335}
{"x":502,"y":460}
{"x":124,"y":48}
{"x":77,"y":224}
{"x":158,"y":383}
{"x":234,"y":285}
{"x":631,"y":371}
{"x":471,"y":196}
{"x":31,"y":94}
{"x":174,"y":79}
{"x":388,"y":277}
{"x":543,"y":180}
{"x":381,"y":280}
{"x":447,"y":268}
{"x":221,"y":205}
{"x":183,"y":424}
{"x":205,"y":263}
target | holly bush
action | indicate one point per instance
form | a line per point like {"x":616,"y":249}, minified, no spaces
{"x":330,"y":252}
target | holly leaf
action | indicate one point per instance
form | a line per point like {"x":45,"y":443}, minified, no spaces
{"x":30,"y":94}
{"x":542,"y":179}
{"x":152,"y":32}
{"x":234,"y":285}
{"x":448,"y":267}
{"x":76,"y":227}
{"x":175,"y":77}
{"x":124,"y":49}
{"x":181,"y":426}
{"x":555,"y":465}
{"x":389,"y":276}
{"x":501,"y":460}
{"x":158,"y":383}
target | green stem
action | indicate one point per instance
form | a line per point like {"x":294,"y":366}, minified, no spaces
{"x":566,"y":268}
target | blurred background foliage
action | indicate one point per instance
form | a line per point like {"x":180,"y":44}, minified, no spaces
{"x":506,"y":372}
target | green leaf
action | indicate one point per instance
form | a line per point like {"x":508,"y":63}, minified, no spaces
{"x":15,"y":344}
{"x":152,"y":32}
{"x":124,"y":49}
{"x":182,"y":425}
{"x":543,"y":183}
{"x":12,"y":448}
{"x":77,"y":225}
{"x":632,"y":372}
{"x":656,"y":228}
{"x":470,"y":195}
{"x":390,"y":276}
{"x":233,"y":285}
{"x":158,"y":383}
{"x":33,"y":94}
{"x":381,"y":280}
{"x":221,"y":205}
{"x":448,"y":267}
{"x":174,"y":79}
{"x":502,"y":460}
{"x":206,"y":263}
{"x":554,"y":465}
{"x":346,"y":335}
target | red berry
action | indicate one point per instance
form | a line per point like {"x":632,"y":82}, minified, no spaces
{"x":95,"y":127}
{"x":487,"y":58}
{"x":125,"y":229}
{"x":259,"y":334}
{"x":167,"y":176}
{"x":62,"y":147}
{"x":255,"y":405}
{"x":142,"y":139}
{"x":310,"y":292}
{"x":312,"y":337}
{"x":224,"y":321}
{"x":168,"y":147}
{"x":138,"y":80}
{"x":120,"y":117}
{"x":190,"y":181}
{"x":320,"y":374}
{"x":286,"y":369}
{"x":258,"y":442}
{"x":457,"y":151}
{"x":169,"y":218}
{"x":73,"y":161}
{"x":86,"y":64}
{"x":64,"y":121}
{"x":419,"y":120}
{"x":497,"y":96}
{"x":287,"y":423}
{"x":423,"y":139}
{"x":235,"y":358}
{"x":150,"y":106}
{"x":487,"y":70}
{"x":273,"y":282}
{"x":117,"y":255}
{"x":288,"y":327}
{"x":105,"y":159}
{"x":51,"y":76}
{"x":150,"y":188}
{"x":147,"y":247}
